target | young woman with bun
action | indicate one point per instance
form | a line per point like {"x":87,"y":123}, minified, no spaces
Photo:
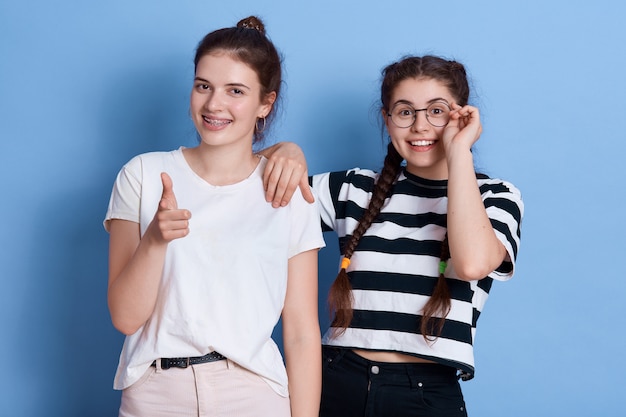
{"x":201,"y":267}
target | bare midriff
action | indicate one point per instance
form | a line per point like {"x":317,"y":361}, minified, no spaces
{"x":394,"y":357}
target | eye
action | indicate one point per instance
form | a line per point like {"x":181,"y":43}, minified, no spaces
{"x":202,"y":87}
{"x":438,"y":109}
{"x":403,"y":112}
{"x":237,"y":91}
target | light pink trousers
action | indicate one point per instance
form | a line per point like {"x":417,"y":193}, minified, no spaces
{"x":213,"y":389}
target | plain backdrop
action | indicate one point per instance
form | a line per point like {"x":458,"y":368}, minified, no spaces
{"x":84,"y":86}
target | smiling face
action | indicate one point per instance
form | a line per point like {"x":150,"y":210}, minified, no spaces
{"x":226,"y":101}
{"x":420,"y":144}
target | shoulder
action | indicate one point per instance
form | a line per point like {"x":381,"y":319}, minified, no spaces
{"x":150,"y":161}
{"x":496,"y":185}
{"x":362,"y":178}
{"x":154,"y":157}
{"x":500,"y":193}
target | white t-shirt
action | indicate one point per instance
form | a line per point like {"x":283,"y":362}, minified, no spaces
{"x":223,"y":285}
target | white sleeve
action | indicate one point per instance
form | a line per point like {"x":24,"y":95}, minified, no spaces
{"x":125,"y":201}
{"x":306,"y":230}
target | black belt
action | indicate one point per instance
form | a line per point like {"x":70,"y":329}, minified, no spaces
{"x":167,"y":363}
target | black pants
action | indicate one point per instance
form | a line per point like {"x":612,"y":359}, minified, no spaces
{"x":353,"y":386}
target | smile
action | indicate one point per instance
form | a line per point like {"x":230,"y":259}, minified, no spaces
{"x":215,"y":122}
{"x":422,"y":142}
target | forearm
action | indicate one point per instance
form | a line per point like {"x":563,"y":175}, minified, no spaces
{"x":474,"y":248}
{"x":133,"y":292}
{"x":304,"y":369}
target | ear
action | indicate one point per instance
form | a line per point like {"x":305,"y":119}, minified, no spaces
{"x":267,"y":104}
{"x":383,"y":112}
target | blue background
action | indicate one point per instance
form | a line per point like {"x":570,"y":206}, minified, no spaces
{"x":84,"y":86}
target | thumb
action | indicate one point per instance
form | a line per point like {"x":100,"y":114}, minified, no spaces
{"x":168,"y":199}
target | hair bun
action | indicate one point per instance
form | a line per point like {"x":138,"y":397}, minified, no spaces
{"x":252,"y":22}
{"x":457,"y":66}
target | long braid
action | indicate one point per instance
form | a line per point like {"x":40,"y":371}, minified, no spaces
{"x":438,"y":306}
{"x":340,"y":295}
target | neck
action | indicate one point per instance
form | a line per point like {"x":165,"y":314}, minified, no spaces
{"x":221,"y":165}
{"x":437,"y":172}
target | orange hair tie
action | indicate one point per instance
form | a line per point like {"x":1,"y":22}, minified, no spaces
{"x":345,"y":262}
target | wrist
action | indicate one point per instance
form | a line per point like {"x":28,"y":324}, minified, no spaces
{"x":456,"y":154}
{"x":153,"y":239}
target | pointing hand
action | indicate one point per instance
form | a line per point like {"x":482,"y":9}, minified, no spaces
{"x":169,"y":221}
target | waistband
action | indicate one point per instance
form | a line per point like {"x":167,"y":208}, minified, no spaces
{"x":167,"y":363}
{"x":431,"y":371}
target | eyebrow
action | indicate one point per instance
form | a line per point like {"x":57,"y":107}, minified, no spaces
{"x":238,"y":85}
{"x":428,"y":103}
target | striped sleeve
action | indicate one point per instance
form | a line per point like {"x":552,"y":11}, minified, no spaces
{"x":337,"y":195}
{"x":505,"y":208}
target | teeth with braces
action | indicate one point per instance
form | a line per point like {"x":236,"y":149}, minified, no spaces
{"x":216,"y":122}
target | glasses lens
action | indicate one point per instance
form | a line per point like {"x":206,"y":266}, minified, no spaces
{"x":438,"y":113}
{"x":402,"y":115}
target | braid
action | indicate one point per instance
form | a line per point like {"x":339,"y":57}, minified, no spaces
{"x":340,"y":294}
{"x":388,"y":175}
{"x":439,"y":302}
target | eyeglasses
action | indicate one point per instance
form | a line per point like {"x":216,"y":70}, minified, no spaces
{"x":437,"y":114}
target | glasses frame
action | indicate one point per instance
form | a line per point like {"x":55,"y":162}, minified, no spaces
{"x":415,"y":111}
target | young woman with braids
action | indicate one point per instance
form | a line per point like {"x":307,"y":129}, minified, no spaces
{"x":421,"y":243}
{"x":201,"y":267}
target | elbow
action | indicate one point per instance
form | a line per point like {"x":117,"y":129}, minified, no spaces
{"x":478,"y":265}
{"x":303,"y":336}
{"x":125,"y":320}
{"x":124,"y":327}
{"x":308,"y":338}
{"x":472,"y":271}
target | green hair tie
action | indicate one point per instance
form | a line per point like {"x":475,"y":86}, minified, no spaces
{"x":442,"y":266}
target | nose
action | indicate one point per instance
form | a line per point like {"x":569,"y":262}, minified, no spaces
{"x":213,"y":101}
{"x":421,"y":122}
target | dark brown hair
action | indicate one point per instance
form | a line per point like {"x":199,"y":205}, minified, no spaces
{"x":248,"y":43}
{"x":451,"y":74}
